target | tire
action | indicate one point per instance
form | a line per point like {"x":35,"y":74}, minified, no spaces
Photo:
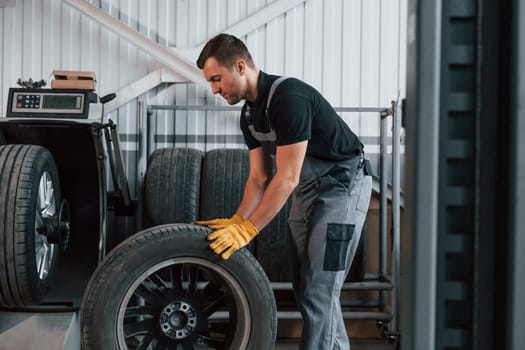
{"x":272,"y":246}
{"x":172,"y":186}
{"x":224,"y":175}
{"x":29,"y":193}
{"x":165,"y":287}
{"x":225,"y":172}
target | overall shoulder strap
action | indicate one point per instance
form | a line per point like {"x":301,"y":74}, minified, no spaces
{"x":274,"y":86}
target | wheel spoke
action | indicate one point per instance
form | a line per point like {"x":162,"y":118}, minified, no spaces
{"x":193,"y":274}
{"x":159,"y":346}
{"x":135,"y":311}
{"x":159,"y":282}
{"x":213,"y":298}
{"x":220,"y":326}
{"x":210,"y":292}
{"x":176,"y":278}
{"x":132,"y":329}
{"x":42,"y":257}
{"x":187,"y":346}
{"x":46,"y":195}
{"x":213,"y":342}
{"x":38,"y":220}
{"x":147,"y":294}
{"x":214,"y":305}
{"x":146,"y":341}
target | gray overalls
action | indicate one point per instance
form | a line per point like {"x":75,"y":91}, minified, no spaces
{"x":328,"y":211}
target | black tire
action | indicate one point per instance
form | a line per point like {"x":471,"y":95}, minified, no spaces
{"x":171,"y":186}
{"x":272,"y":246}
{"x":224,"y":175}
{"x":358,"y":268}
{"x":29,"y":191}
{"x":165,"y":286}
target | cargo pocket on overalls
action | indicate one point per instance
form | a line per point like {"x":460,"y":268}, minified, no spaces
{"x":338,"y":238}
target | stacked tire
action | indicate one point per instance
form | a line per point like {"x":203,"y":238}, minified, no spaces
{"x":29,"y":196}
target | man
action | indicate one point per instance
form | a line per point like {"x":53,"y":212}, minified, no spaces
{"x":318,"y":160}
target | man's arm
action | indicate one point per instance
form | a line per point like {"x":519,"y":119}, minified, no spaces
{"x":260,"y":173}
{"x":289,"y":161}
{"x":267,"y":203}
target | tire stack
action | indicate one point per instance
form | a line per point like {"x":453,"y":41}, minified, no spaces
{"x":176,"y":292}
{"x":184,"y":185}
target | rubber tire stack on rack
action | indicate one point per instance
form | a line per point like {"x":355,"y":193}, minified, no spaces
{"x":172,"y":195}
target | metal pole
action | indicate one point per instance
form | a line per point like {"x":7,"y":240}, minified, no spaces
{"x":238,"y":108}
{"x":383,"y":205}
{"x":396,"y":215}
{"x":151,"y":129}
{"x":141,"y":162}
{"x":515,"y":304}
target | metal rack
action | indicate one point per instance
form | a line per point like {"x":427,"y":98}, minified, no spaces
{"x":387,"y":314}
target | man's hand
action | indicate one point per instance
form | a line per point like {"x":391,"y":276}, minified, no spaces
{"x":231,"y":238}
{"x":216,"y":224}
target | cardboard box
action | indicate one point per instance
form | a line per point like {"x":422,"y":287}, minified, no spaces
{"x":67,"y":79}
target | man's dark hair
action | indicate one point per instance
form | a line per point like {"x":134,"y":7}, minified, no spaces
{"x":226,"y":49}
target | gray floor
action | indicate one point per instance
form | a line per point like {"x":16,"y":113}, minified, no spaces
{"x":356,"y":344}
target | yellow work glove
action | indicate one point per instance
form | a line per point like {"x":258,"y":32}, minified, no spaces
{"x":216,"y":224}
{"x":232,"y":238}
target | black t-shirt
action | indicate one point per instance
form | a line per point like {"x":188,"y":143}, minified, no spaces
{"x":297,"y":112}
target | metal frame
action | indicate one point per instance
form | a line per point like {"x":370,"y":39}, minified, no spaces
{"x":516,"y":260}
{"x":380,"y":281}
{"x":422,"y":149}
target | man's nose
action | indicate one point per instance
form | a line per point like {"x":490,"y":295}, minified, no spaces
{"x":214,"y":88}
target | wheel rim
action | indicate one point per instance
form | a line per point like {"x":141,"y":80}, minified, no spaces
{"x":187,"y":301}
{"x":45,"y":207}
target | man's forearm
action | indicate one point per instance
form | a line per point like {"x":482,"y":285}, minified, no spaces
{"x":274,"y":198}
{"x":253,"y":192}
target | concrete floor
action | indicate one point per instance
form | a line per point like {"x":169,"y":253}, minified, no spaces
{"x":356,"y":344}
{"x":364,"y":335}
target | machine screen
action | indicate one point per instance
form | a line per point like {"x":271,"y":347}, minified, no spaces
{"x":60,"y":102}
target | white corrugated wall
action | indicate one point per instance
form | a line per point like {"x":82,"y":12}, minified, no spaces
{"x":353,"y":51}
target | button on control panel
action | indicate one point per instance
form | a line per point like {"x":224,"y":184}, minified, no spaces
{"x":28,"y":101}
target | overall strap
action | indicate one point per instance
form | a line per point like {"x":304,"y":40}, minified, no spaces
{"x":274,"y":86}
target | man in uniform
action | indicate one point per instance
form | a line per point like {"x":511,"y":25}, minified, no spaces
{"x":319,"y":161}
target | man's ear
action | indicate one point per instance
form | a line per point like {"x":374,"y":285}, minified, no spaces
{"x":240,"y":66}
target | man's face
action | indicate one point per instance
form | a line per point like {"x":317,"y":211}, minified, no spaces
{"x":226,"y":81}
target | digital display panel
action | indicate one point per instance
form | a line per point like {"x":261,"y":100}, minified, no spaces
{"x":60,"y":102}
